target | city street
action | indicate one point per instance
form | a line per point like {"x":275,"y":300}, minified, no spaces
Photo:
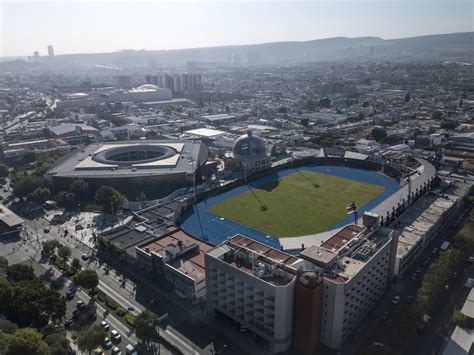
{"x":23,"y":250}
{"x":186,"y":327}
{"x":379,"y":326}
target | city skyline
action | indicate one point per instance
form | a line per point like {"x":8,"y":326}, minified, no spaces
{"x":94,"y":27}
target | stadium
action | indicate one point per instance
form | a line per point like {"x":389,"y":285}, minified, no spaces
{"x":303,"y":202}
{"x":154,"y":167}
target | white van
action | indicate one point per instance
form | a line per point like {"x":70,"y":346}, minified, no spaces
{"x":130,"y":350}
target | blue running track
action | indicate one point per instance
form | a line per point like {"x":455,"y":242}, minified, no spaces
{"x":215,"y":229}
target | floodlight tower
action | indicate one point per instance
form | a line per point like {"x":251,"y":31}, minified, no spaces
{"x":352,"y":209}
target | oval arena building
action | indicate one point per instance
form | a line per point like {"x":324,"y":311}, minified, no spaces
{"x":154,"y":167}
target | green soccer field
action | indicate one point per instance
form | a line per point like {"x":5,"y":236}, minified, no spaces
{"x":294,"y":206}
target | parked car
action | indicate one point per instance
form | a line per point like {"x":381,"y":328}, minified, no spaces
{"x":130,"y":350}
{"x":396,"y":300}
{"x":409,"y":300}
{"x":107,"y":343}
{"x":80,"y":304}
{"x":104,"y":325}
{"x":79,"y":227}
{"x":115,"y":335}
{"x":46,"y":230}
{"x":385,"y":315}
{"x":116,"y":351}
{"x":85,"y":256}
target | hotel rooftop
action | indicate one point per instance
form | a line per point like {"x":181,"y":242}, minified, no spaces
{"x":266,"y":263}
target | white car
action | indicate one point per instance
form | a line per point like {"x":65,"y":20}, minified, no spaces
{"x":115,"y":335}
{"x":116,"y":351}
{"x":104,"y":325}
{"x":396,"y":300}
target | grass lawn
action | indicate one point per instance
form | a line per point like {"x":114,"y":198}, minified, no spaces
{"x":294,"y":206}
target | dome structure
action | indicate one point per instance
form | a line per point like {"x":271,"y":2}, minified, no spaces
{"x":251,"y":152}
{"x":249,"y":146}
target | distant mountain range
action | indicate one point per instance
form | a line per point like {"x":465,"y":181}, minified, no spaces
{"x":338,"y":48}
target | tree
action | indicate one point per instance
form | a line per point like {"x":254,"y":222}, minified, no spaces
{"x":3,"y":263}
{"x":58,"y":343}
{"x":146,"y":327}
{"x":87,"y":279}
{"x":7,"y":326}
{"x":378,"y":133}
{"x":3,"y":170}
{"x":109,"y":198}
{"x":407,"y":97}
{"x":141,"y":197}
{"x":40,"y":195}
{"x":76,"y":265}
{"x":65,"y":199}
{"x":80,"y":188}
{"x":304,"y":122}
{"x":459,"y":318}
{"x":20,"y":272}
{"x":437,"y":115}
{"x":49,"y":246}
{"x":90,"y":337}
{"x":33,"y":304}
{"x":310,"y":105}
{"x":25,"y":341}
{"x":64,"y":252}
{"x":449,"y":124}
{"x":324,"y":102}
{"x":26,"y":185}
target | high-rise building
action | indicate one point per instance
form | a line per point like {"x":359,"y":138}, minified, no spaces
{"x":50,"y":51}
{"x":358,"y":265}
{"x":318,"y":298}
{"x":253,"y":284}
{"x":124,"y":81}
{"x":192,"y":82}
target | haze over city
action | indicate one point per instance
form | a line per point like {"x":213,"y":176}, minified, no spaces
{"x":105,"y":26}
{"x":237,"y":177}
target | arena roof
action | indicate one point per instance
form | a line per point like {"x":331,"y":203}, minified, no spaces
{"x":130,"y":159}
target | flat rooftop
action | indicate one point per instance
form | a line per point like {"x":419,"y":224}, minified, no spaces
{"x":418,"y":220}
{"x":205,"y":132}
{"x":342,"y":237}
{"x":258,"y":260}
{"x":190,"y":263}
{"x":10,"y":218}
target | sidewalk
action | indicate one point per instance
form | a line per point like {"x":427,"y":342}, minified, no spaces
{"x":168,"y":333}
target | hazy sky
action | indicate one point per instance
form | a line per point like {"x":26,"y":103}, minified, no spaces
{"x":102,"y":26}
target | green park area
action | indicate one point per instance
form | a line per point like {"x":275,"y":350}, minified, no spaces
{"x":300,"y":203}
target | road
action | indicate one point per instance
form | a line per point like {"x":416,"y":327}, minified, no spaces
{"x":377,"y":329}
{"x":185,"y":327}
{"x":23,"y":250}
